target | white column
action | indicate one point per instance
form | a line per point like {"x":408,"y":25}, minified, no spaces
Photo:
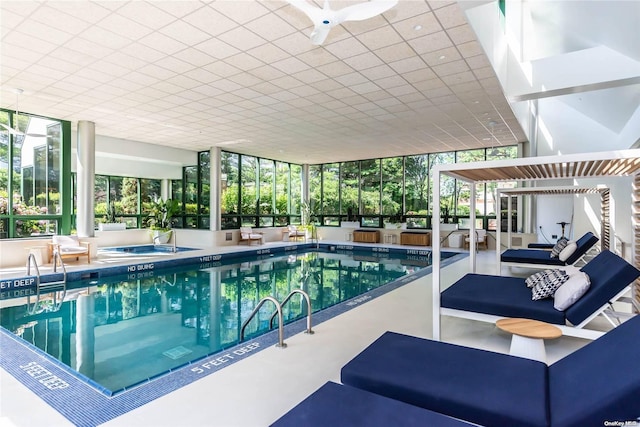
{"x":305,"y":183}
{"x":86,"y":170}
{"x":435,"y":255}
{"x":85,"y":338}
{"x":215,"y":178}
{"x":473,"y":243}
{"x":165,"y":189}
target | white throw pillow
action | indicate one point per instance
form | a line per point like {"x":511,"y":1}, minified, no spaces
{"x":571,"y":269}
{"x":568,"y":251}
{"x":571,"y":291}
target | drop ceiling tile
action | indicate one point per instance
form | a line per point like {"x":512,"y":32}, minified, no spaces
{"x":450,"y":68}
{"x":431,"y":42}
{"x":20,"y":40}
{"x":179,"y":9}
{"x":346,"y":48}
{"x":222,"y":69}
{"x":240,"y":11}
{"x":169,"y":45}
{"x":399,"y":91}
{"x":418,"y":26}
{"x":379,"y":38}
{"x":201,"y":75}
{"x":268,"y":53}
{"x":390,"y":82}
{"x":185,"y":33}
{"x":461,"y":34}
{"x":364,"y":61}
{"x":204,"y":17}
{"x":478,"y":61}
{"x":242,"y":38}
{"x":309,"y":76}
{"x":450,"y":16}
{"x":352,"y":79}
{"x":408,"y":65}
{"x":146,"y":14}
{"x":290,"y":65}
{"x":395,"y":52}
{"x":335,"y":69}
{"x":271,"y":27}
{"x":407,"y":9}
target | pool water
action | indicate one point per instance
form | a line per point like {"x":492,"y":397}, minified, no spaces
{"x":119,"y":333}
{"x":146,"y":249}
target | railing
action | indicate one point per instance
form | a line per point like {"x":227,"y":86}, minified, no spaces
{"x":281,"y":343}
{"x":306,"y":297}
{"x":58,"y":290}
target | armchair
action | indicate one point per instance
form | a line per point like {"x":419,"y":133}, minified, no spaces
{"x":295,"y":234}
{"x":481,"y":239}
{"x":69,"y":247}
{"x":248,"y":235}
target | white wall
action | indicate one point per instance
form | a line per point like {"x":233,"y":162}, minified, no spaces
{"x":122,"y":157}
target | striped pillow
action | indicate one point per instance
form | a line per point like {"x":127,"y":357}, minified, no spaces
{"x":548,"y":286}
{"x":559,"y":246}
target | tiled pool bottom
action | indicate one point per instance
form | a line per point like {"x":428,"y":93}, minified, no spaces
{"x":67,"y":393}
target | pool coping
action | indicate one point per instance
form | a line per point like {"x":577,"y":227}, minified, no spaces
{"x":65,"y":390}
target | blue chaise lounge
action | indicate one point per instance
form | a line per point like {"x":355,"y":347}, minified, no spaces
{"x":335,"y":405}
{"x":489,"y":298}
{"x":596,"y":384}
{"x":541,"y":258}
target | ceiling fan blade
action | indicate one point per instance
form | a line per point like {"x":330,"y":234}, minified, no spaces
{"x":319,"y":34}
{"x":362,"y":11}
{"x":313,"y":12}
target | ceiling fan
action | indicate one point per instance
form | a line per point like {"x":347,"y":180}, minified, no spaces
{"x":16,"y":129}
{"x":324,"y":19}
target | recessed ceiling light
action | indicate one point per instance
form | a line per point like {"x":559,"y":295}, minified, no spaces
{"x":442,"y":57}
{"x":486,"y":139}
{"x":417,"y":27}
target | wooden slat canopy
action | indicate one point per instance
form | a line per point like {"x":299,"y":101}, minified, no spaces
{"x":587,"y":165}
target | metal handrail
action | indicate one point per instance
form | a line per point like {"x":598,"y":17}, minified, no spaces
{"x":35,"y":263}
{"x":39,"y":286}
{"x":308,"y":300}
{"x":281,"y":343}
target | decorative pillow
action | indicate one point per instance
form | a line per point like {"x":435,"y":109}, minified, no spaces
{"x":536,"y":278}
{"x":547,"y":286}
{"x":568,"y":251}
{"x":571,"y":291}
{"x":558,"y":247}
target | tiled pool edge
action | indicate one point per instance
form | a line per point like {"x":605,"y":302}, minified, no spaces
{"x":65,"y":392}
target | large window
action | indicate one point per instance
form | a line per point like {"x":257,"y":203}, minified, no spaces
{"x":259,"y":192}
{"x":398,"y":189}
{"x":31,"y":176}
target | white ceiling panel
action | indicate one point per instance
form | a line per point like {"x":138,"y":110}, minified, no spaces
{"x":243,"y":75}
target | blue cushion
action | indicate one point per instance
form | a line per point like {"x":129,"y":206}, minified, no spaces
{"x":475,"y":385}
{"x":540,"y":245}
{"x":600,"y":382}
{"x":530,"y":256}
{"x":609,"y":274}
{"x":500,"y":296}
{"x":583,"y":244}
{"x":337,"y":405}
{"x":537,"y":256}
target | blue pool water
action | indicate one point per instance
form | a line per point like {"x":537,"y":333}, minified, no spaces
{"x":146,"y":249}
{"x":122,"y":331}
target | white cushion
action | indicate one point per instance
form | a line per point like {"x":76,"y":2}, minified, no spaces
{"x":558,"y":247}
{"x":571,"y":291}
{"x":568,"y":251}
{"x":65,"y":240}
{"x":73,"y":250}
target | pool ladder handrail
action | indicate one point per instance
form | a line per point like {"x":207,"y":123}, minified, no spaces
{"x":49,"y":285}
{"x":288,"y":297}
{"x":281,"y":342}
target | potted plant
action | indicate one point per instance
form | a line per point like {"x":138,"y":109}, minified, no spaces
{"x":110,"y":221}
{"x":161,"y":213}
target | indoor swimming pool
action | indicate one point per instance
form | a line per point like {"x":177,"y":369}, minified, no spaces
{"x":121,"y":331}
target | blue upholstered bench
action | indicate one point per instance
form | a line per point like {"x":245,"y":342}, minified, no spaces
{"x":543,"y":257}
{"x":509,"y":296}
{"x":334,"y":405}
{"x":596,"y":383}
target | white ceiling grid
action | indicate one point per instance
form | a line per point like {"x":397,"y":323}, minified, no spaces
{"x":243,"y":75}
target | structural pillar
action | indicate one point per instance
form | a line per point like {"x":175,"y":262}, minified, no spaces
{"x":215,"y":188}
{"x":86,"y":170}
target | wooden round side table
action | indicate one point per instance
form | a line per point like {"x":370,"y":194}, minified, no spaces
{"x":528,"y":337}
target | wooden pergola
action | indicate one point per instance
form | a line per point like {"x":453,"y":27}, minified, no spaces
{"x":573,"y":166}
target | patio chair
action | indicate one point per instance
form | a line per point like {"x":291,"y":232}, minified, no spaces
{"x":295,"y":234}
{"x":69,"y":247}
{"x":248,"y":235}
{"x":481,"y":239}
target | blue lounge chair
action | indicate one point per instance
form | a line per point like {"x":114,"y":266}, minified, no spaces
{"x":489,"y":298}
{"x":337,"y":405}
{"x":539,"y":258}
{"x":593,"y":385}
